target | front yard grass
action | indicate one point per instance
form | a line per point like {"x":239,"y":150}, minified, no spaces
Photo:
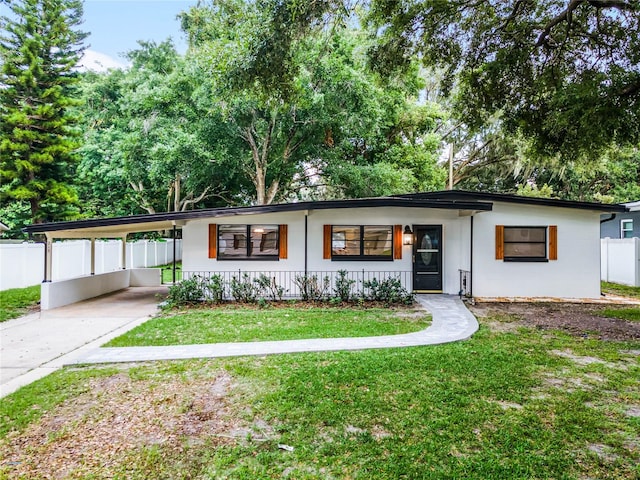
{"x":618,"y":289}
{"x":167,"y":272}
{"x":511,"y":402}
{"x":17,"y":301}
{"x":246,"y":324}
{"x":631,"y":314}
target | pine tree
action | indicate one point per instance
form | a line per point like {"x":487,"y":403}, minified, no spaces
{"x":40,"y":47}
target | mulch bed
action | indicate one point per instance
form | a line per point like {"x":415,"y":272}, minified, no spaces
{"x":585,"y":320}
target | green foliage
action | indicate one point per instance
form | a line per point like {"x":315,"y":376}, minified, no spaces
{"x":189,"y":291}
{"x":389,"y":290}
{"x":529,"y":190}
{"x":39,"y":49}
{"x":343,"y":289}
{"x":331,"y":125}
{"x":213,"y":288}
{"x":311,"y":287}
{"x":565,"y":74}
{"x":15,"y":215}
{"x":268,"y":286}
{"x":16,"y":301}
{"x":152,"y":142}
{"x":244,"y":290}
{"x":196,"y":289}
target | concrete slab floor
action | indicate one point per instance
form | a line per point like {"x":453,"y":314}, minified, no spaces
{"x":37,"y":344}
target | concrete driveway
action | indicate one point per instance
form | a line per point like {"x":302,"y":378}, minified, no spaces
{"x":35,"y":345}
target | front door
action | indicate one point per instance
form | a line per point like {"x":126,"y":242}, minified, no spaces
{"x":427,"y":258}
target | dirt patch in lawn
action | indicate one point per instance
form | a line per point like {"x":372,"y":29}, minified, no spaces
{"x":116,"y":417}
{"x":578,"y":319}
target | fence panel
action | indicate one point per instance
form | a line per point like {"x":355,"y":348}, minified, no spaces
{"x":22,"y":264}
{"x":620,"y":260}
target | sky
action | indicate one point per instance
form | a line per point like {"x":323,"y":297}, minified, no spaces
{"x":115,"y":26}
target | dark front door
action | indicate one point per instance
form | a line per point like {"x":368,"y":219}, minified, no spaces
{"x":427,"y":258}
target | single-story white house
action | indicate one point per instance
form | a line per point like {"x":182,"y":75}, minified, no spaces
{"x":456,"y":242}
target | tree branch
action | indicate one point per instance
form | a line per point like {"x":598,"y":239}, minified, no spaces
{"x":543,"y":39}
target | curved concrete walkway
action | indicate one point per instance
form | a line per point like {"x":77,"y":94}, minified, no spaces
{"x":451,"y":322}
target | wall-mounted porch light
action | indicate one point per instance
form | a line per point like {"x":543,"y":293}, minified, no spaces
{"x":407,"y":236}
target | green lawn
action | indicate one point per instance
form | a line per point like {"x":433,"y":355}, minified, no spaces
{"x":617,"y":289}
{"x":167,"y":272}
{"x":510,"y":402}
{"x":631,"y":314}
{"x":16,"y":301}
{"x":241,"y":324}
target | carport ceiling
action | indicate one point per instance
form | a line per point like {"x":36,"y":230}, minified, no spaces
{"x":113,"y":231}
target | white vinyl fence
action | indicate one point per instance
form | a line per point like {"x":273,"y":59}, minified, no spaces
{"x":620,"y":260}
{"x":22,"y":264}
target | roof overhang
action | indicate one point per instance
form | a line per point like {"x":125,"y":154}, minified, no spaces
{"x":111,"y":231}
{"x":118,"y":227}
{"x":633,"y":206}
{"x":463,"y":195}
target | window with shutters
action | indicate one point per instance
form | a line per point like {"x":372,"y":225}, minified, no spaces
{"x":361,"y":242}
{"x":258,"y":242}
{"x":525,"y":244}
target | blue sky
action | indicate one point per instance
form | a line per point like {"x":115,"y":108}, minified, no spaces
{"x":116,"y":25}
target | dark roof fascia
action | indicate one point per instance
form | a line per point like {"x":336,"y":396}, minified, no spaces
{"x":509,"y":198}
{"x":451,"y":204}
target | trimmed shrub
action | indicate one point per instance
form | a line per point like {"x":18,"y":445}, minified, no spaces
{"x":267,"y":285}
{"x":344,"y":286}
{"x":389,"y":290}
{"x":244,"y":290}
{"x":311,"y":288}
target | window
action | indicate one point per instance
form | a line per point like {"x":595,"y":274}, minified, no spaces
{"x":361,"y":242}
{"x":526,"y":244}
{"x":248,"y":242}
{"x":626,"y":229}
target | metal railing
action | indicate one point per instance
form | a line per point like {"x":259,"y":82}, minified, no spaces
{"x":465,"y":283}
{"x":291,"y":282}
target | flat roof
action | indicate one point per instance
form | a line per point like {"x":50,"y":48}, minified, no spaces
{"x":510,"y":198}
{"x":460,"y":200}
{"x":114,"y":227}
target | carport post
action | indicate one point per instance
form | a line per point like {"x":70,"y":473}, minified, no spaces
{"x":174,"y":254}
{"x":93,"y":256}
{"x":48,"y":259}
{"x":124,"y":252}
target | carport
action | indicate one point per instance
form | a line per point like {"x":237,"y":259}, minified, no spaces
{"x":37,"y":344}
{"x":64,"y":292}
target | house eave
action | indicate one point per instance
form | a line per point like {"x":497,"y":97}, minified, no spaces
{"x":115,"y":227}
{"x":510,"y":198}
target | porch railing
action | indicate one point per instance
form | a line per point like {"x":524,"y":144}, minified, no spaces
{"x":290,"y":281}
{"x":465,"y":283}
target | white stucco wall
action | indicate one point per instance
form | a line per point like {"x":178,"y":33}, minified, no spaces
{"x":576,"y":273}
{"x":64,"y":292}
{"x":455,"y":242}
{"x":145,"y":277}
